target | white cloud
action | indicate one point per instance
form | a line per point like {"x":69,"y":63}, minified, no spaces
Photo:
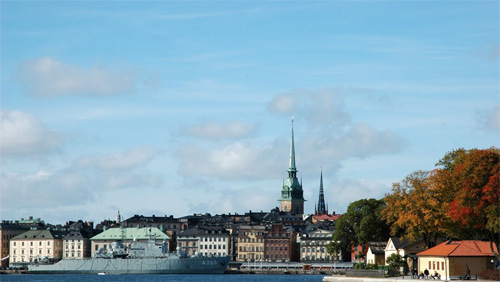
{"x":232,"y":161}
{"x":22,"y":134}
{"x":215,"y":130}
{"x":339,"y":195}
{"x":324,"y":106}
{"x":489,"y":119}
{"x":43,"y":189}
{"x":46,"y":77}
{"x":127,"y":160}
{"x":80,"y":181}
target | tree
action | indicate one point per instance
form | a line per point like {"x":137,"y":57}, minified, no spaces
{"x":410,"y":211}
{"x":471,"y":179}
{"x":395,"y":261}
{"x":361,"y":224}
{"x":334,"y":249}
{"x":460,"y":198}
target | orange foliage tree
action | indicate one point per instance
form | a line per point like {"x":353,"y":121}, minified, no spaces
{"x":409,"y":210}
{"x":461,"y":198}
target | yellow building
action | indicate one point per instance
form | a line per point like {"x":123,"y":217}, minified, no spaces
{"x":456,"y":259}
{"x":251,"y":243}
{"x":36,"y":245}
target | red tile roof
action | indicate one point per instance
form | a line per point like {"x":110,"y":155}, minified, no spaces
{"x":466,"y":248}
{"x":332,"y":217}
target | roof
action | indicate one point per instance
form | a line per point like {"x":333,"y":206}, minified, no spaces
{"x":465,"y":248}
{"x":400,"y":243}
{"x":41,"y":234}
{"x":331,"y":217}
{"x":377,"y":247}
{"x":131,"y":233}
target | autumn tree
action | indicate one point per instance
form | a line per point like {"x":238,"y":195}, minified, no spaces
{"x":470,"y":180}
{"x":460,"y":198}
{"x":409,"y":209}
{"x":361,"y":224}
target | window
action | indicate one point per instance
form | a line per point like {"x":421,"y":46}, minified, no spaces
{"x":442,"y":265}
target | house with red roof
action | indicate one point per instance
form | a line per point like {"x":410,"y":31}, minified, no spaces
{"x":457,"y":259}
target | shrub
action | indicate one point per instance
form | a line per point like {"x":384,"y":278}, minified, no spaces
{"x":490,"y":274}
{"x":359,"y":265}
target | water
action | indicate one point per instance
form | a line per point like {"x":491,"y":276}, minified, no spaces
{"x":158,"y":278}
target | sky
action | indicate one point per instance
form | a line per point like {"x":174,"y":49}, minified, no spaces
{"x":183,"y":107}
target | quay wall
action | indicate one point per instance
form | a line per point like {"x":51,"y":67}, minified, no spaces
{"x":360,"y":279}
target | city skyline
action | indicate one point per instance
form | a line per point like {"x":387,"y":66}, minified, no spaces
{"x":179,"y":108}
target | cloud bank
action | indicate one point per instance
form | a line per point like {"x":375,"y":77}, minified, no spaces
{"x":80,"y":181}
{"x":216,"y":130}
{"x":47,"y":77}
{"x":23,"y":135}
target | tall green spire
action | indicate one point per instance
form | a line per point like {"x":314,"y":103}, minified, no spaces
{"x":292,"y":198}
{"x":292,"y":167}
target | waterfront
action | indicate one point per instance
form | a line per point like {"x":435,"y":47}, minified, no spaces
{"x":159,"y":278}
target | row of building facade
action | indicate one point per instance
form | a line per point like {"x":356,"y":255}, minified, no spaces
{"x":274,"y":236}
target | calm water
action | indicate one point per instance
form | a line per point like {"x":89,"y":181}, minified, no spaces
{"x":159,"y":278}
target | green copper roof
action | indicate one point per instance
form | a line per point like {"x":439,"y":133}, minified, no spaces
{"x":292,"y":188}
{"x":131,"y":233}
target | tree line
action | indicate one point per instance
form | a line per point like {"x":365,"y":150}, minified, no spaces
{"x":459,"y":199}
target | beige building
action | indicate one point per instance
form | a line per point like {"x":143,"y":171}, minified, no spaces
{"x":376,"y":253}
{"x":407,"y":249}
{"x":189,"y":241}
{"x":457,"y":259}
{"x":35,"y":245}
{"x":251,"y":243}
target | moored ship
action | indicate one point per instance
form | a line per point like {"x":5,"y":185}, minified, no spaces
{"x":137,"y":258}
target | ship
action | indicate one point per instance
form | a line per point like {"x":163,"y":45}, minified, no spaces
{"x":137,"y":258}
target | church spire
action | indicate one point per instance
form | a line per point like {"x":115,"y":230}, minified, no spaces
{"x":292,"y":166}
{"x":292,"y":195}
{"x":321,"y":209}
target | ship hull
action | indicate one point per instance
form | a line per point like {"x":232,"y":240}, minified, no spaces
{"x":170,"y":265}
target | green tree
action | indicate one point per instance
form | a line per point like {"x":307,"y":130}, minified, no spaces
{"x":361,"y":224}
{"x":395,"y":261}
{"x":334,"y":248}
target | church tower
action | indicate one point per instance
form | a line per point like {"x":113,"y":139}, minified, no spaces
{"x":321,"y":208}
{"x":292,"y":195}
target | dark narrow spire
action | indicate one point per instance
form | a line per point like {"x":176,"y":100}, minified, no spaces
{"x":321,"y":202}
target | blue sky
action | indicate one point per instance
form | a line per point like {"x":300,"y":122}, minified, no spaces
{"x":175,"y":108}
